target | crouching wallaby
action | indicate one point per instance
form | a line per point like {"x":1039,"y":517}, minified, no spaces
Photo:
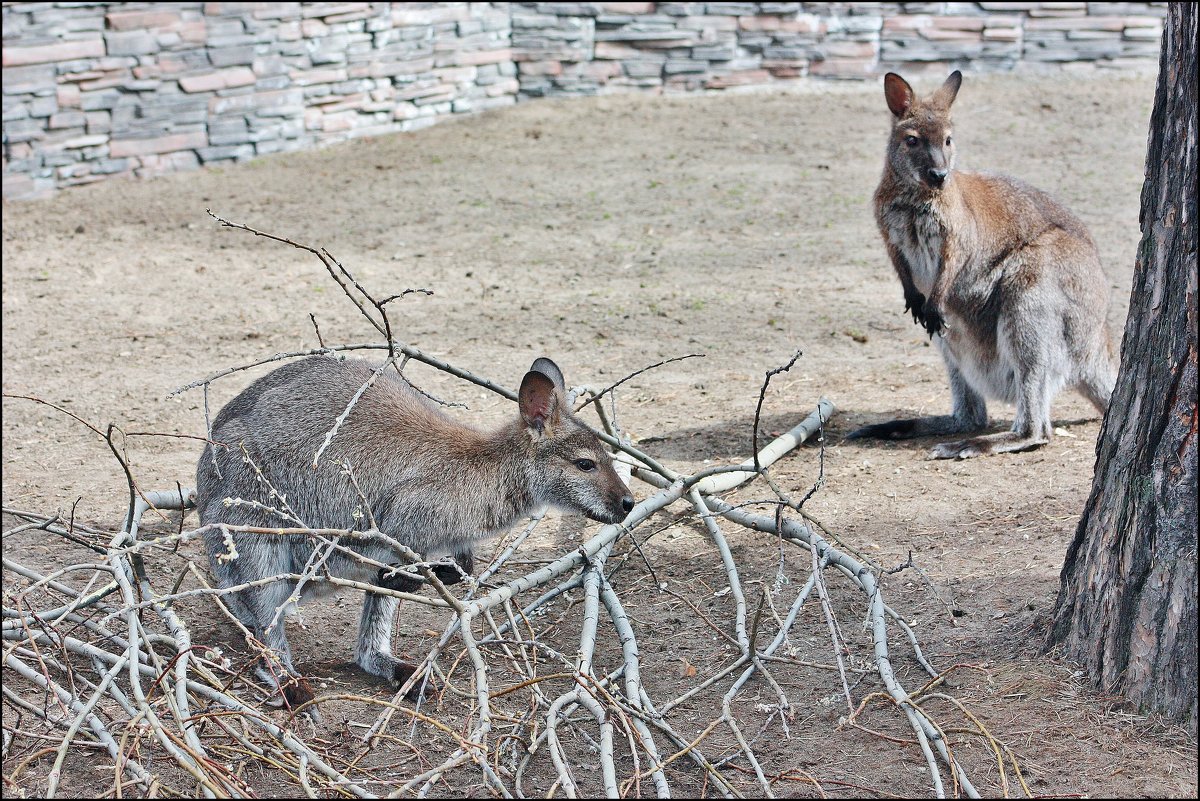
{"x":1005,"y":280}
{"x":397,"y":462}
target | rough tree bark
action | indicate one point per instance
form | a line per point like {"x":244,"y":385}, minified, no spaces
{"x":1127,"y":605}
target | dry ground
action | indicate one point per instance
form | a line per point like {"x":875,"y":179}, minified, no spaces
{"x":611,"y":233}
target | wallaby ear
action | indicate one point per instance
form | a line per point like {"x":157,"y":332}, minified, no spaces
{"x":540,"y":400}
{"x":551,"y":371}
{"x":945,"y":94}
{"x":898,"y":93}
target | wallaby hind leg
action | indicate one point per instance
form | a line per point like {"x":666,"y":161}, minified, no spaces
{"x":255,"y":608}
{"x":228,"y":574}
{"x":969,"y":413}
{"x":374,"y":650}
{"x":233,"y":601}
{"x":1031,"y":426}
{"x":275,"y":667}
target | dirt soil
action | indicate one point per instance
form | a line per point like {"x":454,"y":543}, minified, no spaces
{"x":611,"y":233}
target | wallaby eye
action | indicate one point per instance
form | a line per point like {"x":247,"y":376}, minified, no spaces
{"x":912,"y":141}
{"x":586,"y":465}
{"x":947,"y":141}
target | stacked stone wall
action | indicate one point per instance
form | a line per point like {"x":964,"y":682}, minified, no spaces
{"x":97,"y":89}
{"x":94,"y":90}
{"x":587,"y":48}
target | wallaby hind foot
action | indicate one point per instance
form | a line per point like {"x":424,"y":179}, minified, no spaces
{"x":296,"y":693}
{"x":1004,"y":442}
{"x":292,"y":691}
{"x":396,"y":672}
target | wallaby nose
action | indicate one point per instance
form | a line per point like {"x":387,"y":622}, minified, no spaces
{"x":936,"y":177}
{"x":627,"y":504}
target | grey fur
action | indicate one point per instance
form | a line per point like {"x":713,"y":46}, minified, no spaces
{"x":430,"y":482}
{"x":1007,"y":282}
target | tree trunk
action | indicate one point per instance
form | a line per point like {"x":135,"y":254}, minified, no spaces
{"x":1127,"y":605}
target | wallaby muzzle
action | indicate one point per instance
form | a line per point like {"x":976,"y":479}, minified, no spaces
{"x":617,"y":511}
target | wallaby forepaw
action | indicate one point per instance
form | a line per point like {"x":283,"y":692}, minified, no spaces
{"x":448,"y":573}
{"x":933,"y":321}
{"x":401,"y":582}
{"x":915,"y":303}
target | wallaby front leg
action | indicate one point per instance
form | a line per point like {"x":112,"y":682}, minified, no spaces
{"x":914,"y":301}
{"x":933,"y":316}
{"x":934,"y":320}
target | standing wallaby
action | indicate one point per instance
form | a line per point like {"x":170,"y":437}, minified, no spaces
{"x":1006,"y":281}
{"x":424,"y":479}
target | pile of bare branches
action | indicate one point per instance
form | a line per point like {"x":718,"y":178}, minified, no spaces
{"x":99,"y":660}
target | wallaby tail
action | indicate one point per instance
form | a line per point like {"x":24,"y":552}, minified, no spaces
{"x":1099,"y":377}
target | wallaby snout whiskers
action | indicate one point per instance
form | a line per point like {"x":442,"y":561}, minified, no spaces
{"x":427,"y":481}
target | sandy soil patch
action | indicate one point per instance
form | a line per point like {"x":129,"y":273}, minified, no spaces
{"x":608,"y":234}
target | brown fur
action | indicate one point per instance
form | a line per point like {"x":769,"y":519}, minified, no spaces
{"x":426,"y":480}
{"x":1006,"y":280}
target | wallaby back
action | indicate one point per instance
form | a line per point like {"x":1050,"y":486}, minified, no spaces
{"x":1006,"y":280}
